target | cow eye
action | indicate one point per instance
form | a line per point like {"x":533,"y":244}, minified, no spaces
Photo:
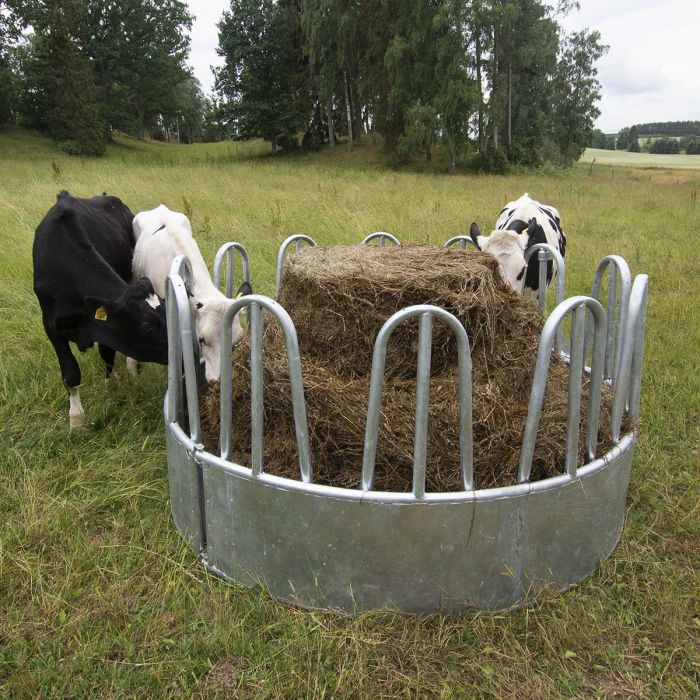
{"x":522,"y":272}
{"x":201,"y":340}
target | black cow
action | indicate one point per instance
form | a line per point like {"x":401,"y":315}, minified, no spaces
{"x":82,"y":278}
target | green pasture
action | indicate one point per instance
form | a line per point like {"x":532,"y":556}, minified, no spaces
{"x":100,"y":598}
{"x":641,"y":160}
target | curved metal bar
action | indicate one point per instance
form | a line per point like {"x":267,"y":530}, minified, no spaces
{"x":547,"y":253}
{"x":383,"y":237}
{"x":462,"y":240}
{"x":182,"y":266}
{"x":181,"y":351}
{"x":297,"y":239}
{"x":616,"y":309}
{"x":547,"y":340}
{"x":426,"y":313}
{"x":258,"y":302}
{"x":629,"y":379}
{"x":228,"y":250}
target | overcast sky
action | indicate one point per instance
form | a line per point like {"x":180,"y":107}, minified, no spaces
{"x":651,"y":72}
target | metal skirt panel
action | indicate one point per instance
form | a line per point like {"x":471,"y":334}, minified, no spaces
{"x":315,"y":548}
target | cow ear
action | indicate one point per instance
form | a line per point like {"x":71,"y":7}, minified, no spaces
{"x":475,"y":234}
{"x":244,"y":290}
{"x":535,"y":233}
{"x":97,"y":308}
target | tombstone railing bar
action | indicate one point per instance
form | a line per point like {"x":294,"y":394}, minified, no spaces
{"x":182,"y":351}
{"x":426,"y":313}
{"x":578,"y":304}
{"x":462,"y":240}
{"x":257,"y":303}
{"x":298,"y":239}
{"x":383,"y":237}
{"x":227,"y":250}
{"x":616,"y":309}
{"x":629,"y":378}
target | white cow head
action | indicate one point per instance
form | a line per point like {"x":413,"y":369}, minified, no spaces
{"x":208,"y":318}
{"x":508,"y":247}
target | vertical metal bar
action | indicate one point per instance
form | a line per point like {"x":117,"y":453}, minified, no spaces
{"x":175,"y":406}
{"x":595,"y":382}
{"x":295,"y":377}
{"x":374,"y":404}
{"x":420,"y":441}
{"x":542,"y":258}
{"x":256,"y":388}
{"x":230,"y":271}
{"x":573,"y":418}
{"x":640,"y":289}
{"x":608,"y":370}
{"x":539,"y":380}
{"x":226,"y":388}
{"x":377,"y":384}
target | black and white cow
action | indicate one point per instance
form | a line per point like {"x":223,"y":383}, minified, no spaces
{"x":522,"y":224}
{"x":82,"y":278}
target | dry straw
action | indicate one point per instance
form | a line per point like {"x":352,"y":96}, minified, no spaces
{"x":338,"y":299}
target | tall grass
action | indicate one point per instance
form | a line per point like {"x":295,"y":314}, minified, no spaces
{"x":99,"y":597}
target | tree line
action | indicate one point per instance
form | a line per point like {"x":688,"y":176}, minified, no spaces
{"x":494,"y":77}
{"x":81,"y":69}
{"x":657,"y":137}
{"x":492,"y":80}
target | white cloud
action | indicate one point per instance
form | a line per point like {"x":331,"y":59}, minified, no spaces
{"x":650,"y":72}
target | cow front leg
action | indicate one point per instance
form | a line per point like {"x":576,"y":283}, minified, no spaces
{"x":70,"y":373}
{"x":107,"y":355}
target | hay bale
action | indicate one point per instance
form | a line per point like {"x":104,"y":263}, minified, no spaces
{"x":338,"y":299}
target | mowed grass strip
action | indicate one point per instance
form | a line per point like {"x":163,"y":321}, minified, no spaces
{"x":99,"y":597}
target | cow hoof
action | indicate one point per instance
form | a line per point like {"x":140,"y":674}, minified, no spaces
{"x":133,"y":366}
{"x":77,"y":420}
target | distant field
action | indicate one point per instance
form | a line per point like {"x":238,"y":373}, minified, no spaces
{"x":641,"y":160}
{"x":99,"y":596}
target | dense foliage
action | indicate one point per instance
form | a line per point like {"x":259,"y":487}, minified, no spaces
{"x":665,"y":145}
{"x":89,"y":67}
{"x":494,"y":77}
{"x":495,"y":81}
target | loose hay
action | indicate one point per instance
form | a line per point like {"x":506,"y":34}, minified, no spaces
{"x":338,"y":299}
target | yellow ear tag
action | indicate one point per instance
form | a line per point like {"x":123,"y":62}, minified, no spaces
{"x":239,"y":295}
{"x":101,"y":314}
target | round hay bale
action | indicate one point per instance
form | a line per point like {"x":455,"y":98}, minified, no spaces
{"x":338,"y":299}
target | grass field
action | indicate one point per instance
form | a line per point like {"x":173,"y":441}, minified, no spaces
{"x":99,"y":597}
{"x":641,"y":160}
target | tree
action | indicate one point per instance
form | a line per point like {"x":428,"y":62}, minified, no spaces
{"x":633,"y":140}
{"x":665,"y":144}
{"x":262,"y":75}
{"x":575,"y":94}
{"x":139,"y":48}
{"x":11,"y":24}
{"x":60,"y":76}
{"x":623,"y":139}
